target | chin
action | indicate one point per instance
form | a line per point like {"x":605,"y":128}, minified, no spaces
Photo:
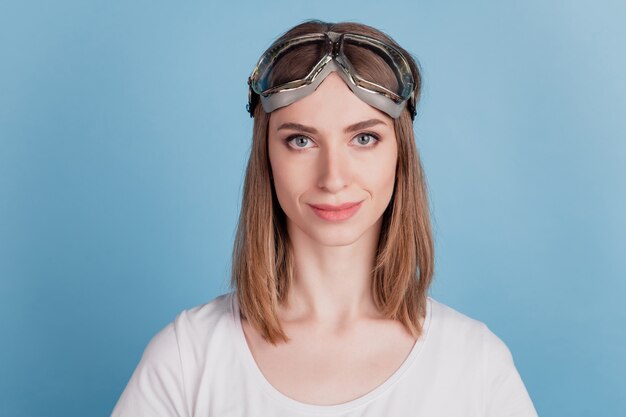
{"x":338,"y":238}
{"x":337,"y":234}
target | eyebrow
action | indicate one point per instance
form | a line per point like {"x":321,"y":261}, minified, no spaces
{"x":352,"y":128}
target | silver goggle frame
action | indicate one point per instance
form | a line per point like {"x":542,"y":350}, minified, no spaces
{"x":334,"y":60}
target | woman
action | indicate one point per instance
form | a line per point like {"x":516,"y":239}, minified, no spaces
{"x":332,"y":261}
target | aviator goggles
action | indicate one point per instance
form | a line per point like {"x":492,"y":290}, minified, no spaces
{"x":273,"y":96}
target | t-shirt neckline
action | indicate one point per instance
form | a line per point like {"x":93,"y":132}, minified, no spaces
{"x":288,"y":402}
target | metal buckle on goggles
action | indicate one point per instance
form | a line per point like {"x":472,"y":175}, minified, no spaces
{"x":273,"y":97}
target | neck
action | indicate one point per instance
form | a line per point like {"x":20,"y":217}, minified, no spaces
{"x":332,"y":284}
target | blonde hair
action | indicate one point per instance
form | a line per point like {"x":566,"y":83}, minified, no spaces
{"x":262,"y":262}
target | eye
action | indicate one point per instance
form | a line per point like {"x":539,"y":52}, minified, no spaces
{"x":298,"y":142}
{"x":366,"y":139}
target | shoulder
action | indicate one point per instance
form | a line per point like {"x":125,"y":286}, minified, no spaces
{"x":205,"y":316}
{"x":469,"y":353}
{"x":449,"y":319}
{"x":469,"y":343}
{"x":173,"y":360}
{"x":192,"y":328}
{"x":457,"y":329}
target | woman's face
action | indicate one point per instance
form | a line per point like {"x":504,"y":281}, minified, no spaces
{"x":331,"y":148}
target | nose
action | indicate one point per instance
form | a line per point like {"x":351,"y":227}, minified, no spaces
{"x":334,"y":170}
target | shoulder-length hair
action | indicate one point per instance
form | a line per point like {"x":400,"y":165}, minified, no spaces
{"x":262,"y":261}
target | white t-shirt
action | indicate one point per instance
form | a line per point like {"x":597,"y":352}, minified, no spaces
{"x":200,"y":365}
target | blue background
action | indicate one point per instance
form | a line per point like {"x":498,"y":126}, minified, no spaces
{"x":123,"y":139}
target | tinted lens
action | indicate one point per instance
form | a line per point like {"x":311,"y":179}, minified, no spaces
{"x":379,"y":64}
{"x":290,"y":61}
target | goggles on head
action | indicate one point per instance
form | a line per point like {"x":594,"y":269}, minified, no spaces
{"x":273,"y":95}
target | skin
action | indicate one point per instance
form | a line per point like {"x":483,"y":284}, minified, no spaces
{"x":332,"y":259}
{"x":340,"y":346}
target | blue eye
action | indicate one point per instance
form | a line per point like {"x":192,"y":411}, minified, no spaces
{"x":366,"y":139}
{"x":298,"y":141}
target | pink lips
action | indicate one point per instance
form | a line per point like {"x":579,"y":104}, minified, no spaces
{"x":336,"y":213}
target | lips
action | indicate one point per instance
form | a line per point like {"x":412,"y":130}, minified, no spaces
{"x":336,"y":213}
{"x":334,"y":208}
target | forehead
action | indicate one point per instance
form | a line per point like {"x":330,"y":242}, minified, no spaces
{"x":333,"y":106}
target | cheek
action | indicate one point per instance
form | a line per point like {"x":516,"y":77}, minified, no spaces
{"x":380,"y":175}
{"x":289,"y":180}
